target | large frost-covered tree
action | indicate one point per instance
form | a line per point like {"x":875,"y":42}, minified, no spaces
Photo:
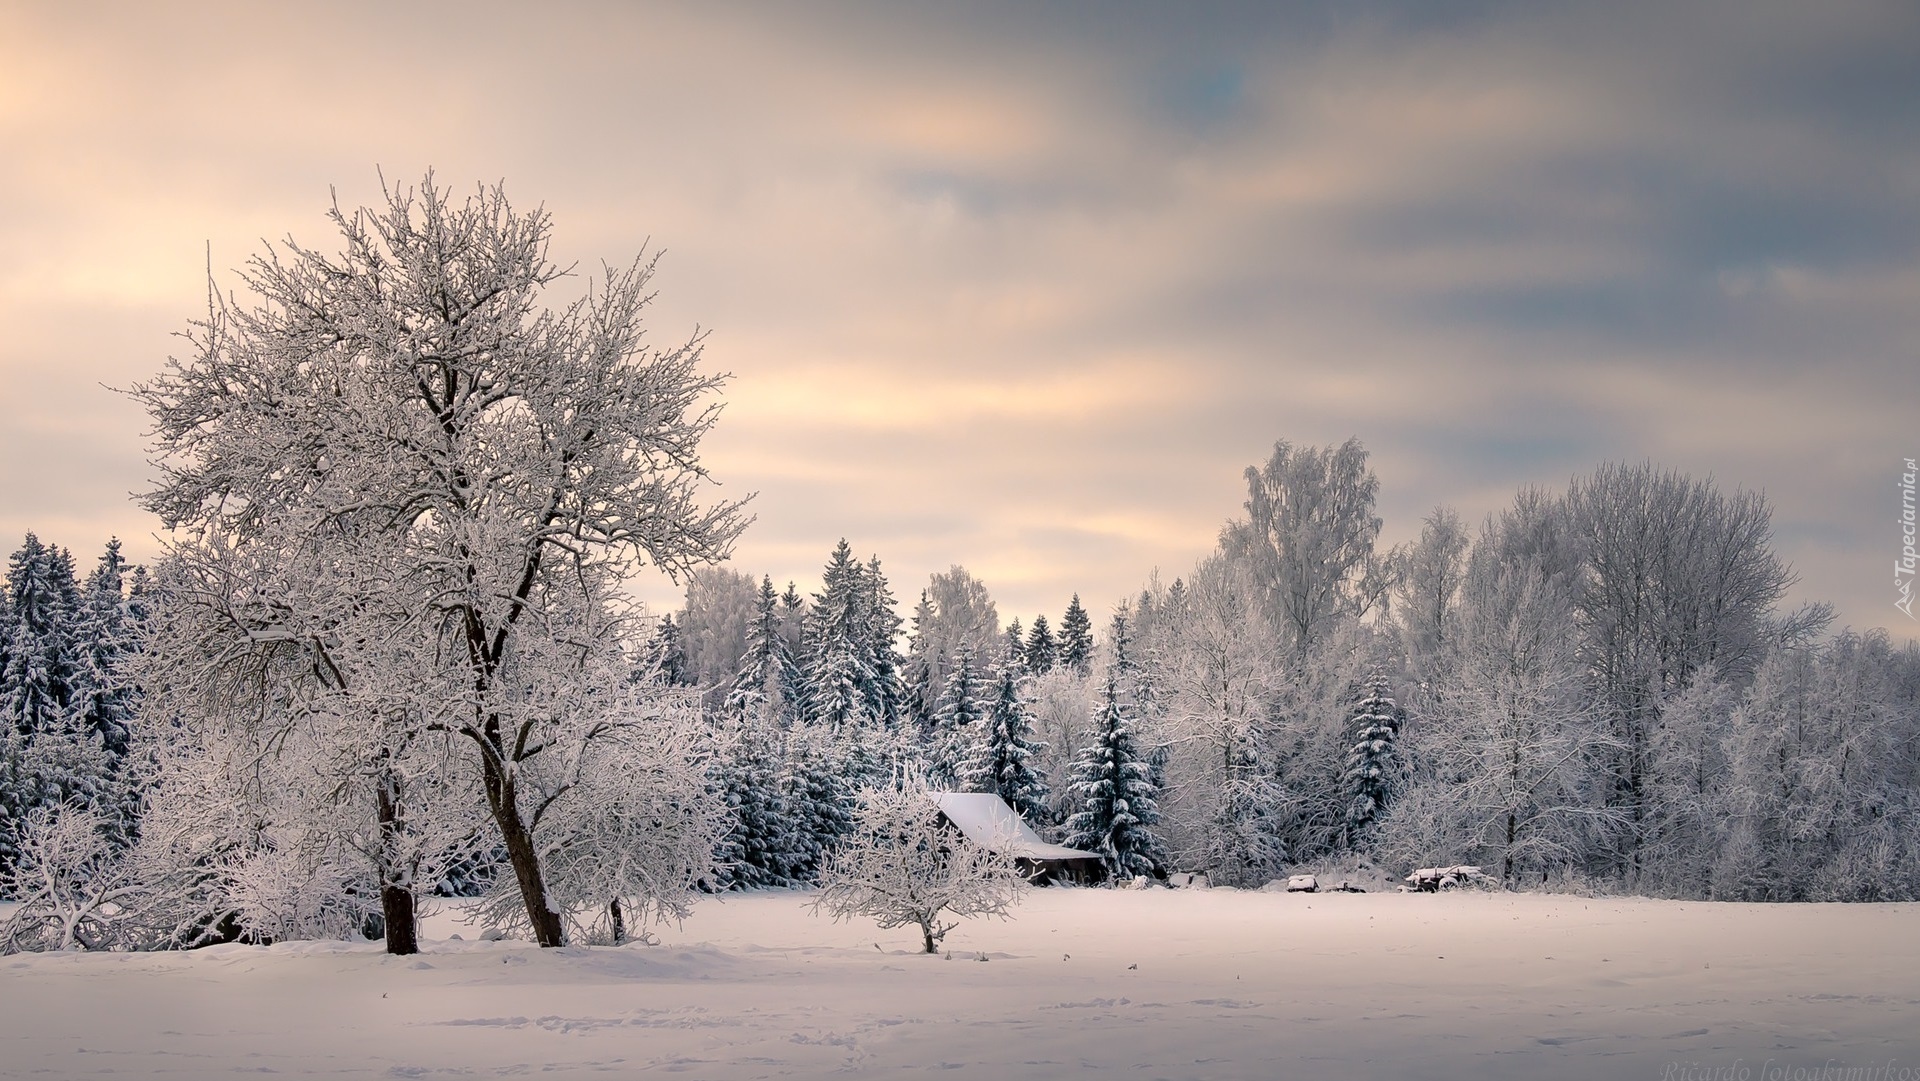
{"x":1822,"y":771}
{"x":1676,"y":576}
{"x":1512,"y":753}
{"x":411,"y":407}
{"x":1689,"y":794}
{"x":300,"y":788}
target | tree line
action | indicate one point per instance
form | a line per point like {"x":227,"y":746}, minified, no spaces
{"x":388,"y":651}
{"x":1595,"y":687}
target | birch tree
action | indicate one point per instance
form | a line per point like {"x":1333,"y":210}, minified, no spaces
{"x":1677,"y":576}
{"x":1511,"y":756}
{"x":1428,"y":587}
{"x":1220,"y":663}
{"x":1308,"y":536}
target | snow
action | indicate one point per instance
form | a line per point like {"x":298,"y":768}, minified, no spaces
{"x":1141,"y":984}
{"x":986,"y":820}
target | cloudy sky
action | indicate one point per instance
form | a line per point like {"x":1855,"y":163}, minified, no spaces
{"x":1025,"y":287}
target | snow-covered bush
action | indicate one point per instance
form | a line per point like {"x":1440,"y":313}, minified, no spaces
{"x":623,"y":822}
{"x":70,"y":879}
{"x":901,"y":865}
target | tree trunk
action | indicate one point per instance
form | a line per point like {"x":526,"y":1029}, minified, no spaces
{"x":503,"y":801}
{"x":926,"y":932}
{"x":617,"y":920}
{"x":399,"y":921}
{"x":403,"y":929}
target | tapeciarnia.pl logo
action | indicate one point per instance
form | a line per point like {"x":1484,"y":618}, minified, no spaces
{"x":1903,"y":567}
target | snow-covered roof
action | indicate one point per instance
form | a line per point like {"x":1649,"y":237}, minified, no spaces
{"x":986,"y":820}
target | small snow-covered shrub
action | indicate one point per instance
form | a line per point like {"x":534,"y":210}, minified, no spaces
{"x":901,"y":865}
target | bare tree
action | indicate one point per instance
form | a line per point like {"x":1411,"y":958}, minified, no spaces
{"x":901,"y":865}
{"x":714,"y":628}
{"x":955,"y":612}
{"x":1428,"y":588}
{"x":1688,"y":791}
{"x":1677,"y":577}
{"x":1512,"y":753}
{"x":1219,"y":667}
{"x":1308,"y":536}
{"x":1062,"y":699}
{"x":289,"y":690}
{"x":1822,"y":759}
{"x":409,"y":405}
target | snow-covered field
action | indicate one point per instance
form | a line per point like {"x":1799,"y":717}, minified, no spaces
{"x":1082,"y":983}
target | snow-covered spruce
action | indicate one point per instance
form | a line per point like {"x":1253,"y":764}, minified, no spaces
{"x":1113,"y":787}
{"x":851,"y":670}
{"x":768,"y":683}
{"x":959,"y":721}
{"x":1003,"y":758}
{"x":1040,"y":649}
{"x":1373,"y":769}
{"x":763,"y":844}
{"x":64,"y":706}
{"x":818,"y":799}
{"x":1075,"y":642}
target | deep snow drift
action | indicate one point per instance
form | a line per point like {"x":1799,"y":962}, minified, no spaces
{"x":1094,"y":983}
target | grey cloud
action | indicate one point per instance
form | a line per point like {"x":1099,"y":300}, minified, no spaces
{"x":1125,"y":246}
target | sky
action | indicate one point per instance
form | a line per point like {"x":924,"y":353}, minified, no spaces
{"x":1026,"y":287}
